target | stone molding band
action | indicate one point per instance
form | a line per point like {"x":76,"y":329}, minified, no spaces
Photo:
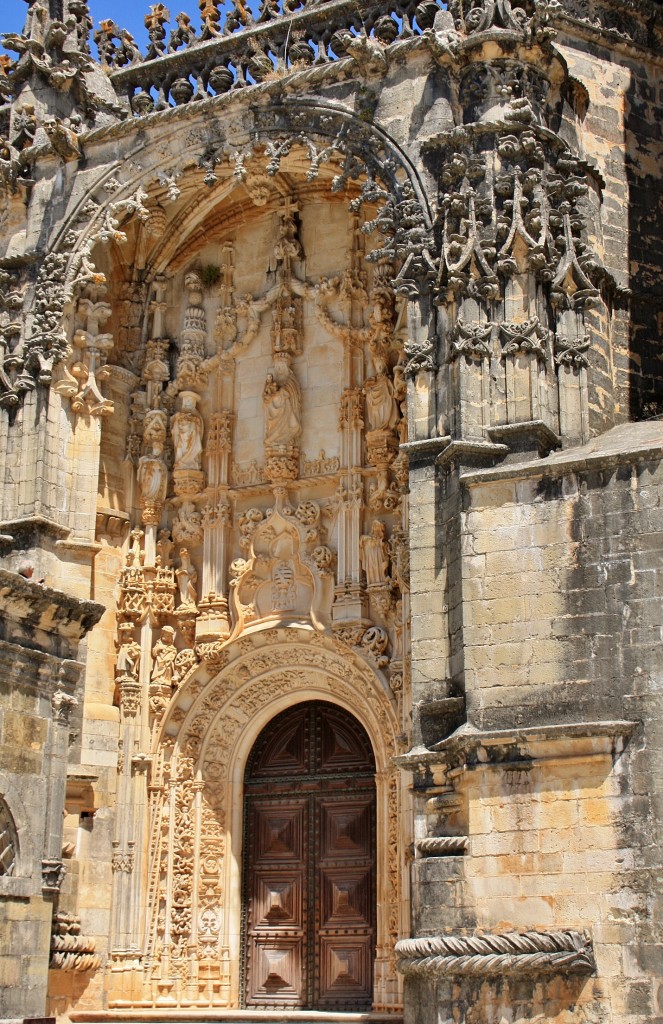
{"x":512,"y":953}
{"x":442,"y":846}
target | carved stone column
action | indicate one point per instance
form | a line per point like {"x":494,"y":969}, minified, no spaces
{"x":124,"y":843}
{"x":62,"y":704}
{"x":350,"y":602}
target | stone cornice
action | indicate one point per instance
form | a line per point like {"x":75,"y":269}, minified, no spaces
{"x":41,"y":618}
{"x":520,"y":746}
{"x":625,"y":444}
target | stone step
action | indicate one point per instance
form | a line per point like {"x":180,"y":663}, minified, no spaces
{"x":192,"y":1015}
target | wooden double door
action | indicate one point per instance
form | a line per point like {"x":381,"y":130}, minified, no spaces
{"x":309,"y":865}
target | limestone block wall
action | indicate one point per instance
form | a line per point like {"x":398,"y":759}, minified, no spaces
{"x":560,"y":584}
{"x":40,"y":688}
{"x":25,"y":914}
{"x":540,"y":813}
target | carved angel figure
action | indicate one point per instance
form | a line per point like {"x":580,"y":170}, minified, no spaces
{"x":283,"y":403}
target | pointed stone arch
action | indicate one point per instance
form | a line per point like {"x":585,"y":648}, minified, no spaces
{"x":319,"y":131}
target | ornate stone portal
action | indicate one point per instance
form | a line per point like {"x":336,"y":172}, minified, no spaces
{"x":194,"y":787}
{"x":322,"y":334}
{"x":285,"y":587}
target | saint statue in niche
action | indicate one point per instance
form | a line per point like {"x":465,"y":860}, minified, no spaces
{"x":282,"y":400}
{"x":187,"y":577}
{"x":152,"y":475}
{"x":164,"y":653}
{"x":381,"y":405}
{"x":129,"y":650}
{"x":374,"y":554}
{"x":187,"y":430}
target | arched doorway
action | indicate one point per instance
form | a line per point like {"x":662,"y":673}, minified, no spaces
{"x":309,"y":863}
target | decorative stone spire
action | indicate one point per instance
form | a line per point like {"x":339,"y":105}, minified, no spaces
{"x":516,"y":272}
{"x":54,"y":75}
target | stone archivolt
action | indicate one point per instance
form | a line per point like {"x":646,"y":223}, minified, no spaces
{"x":195,"y":787}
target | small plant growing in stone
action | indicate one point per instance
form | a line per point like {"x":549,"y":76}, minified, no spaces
{"x":210,"y":275}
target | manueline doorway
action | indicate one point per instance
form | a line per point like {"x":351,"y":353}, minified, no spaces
{"x":309,"y":864}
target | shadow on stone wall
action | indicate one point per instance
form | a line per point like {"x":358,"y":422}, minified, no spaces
{"x":642,"y":137}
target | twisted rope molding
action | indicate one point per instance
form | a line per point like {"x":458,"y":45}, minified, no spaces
{"x":512,"y":953}
{"x":73,"y":953}
{"x":442,"y":846}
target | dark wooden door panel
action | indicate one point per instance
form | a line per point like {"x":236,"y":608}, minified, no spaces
{"x":285,"y":750}
{"x":346,"y":975}
{"x":341,"y":745}
{"x":278,"y":831}
{"x":346,"y":828}
{"x":346,"y":898}
{"x":276,"y":948}
{"x":276,"y":971}
{"x":309,"y":879}
{"x":277,"y":900}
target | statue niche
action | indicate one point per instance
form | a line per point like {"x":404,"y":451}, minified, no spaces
{"x":187,"y":429}
{"x":287,"y":575}
{"x":282,"y":403}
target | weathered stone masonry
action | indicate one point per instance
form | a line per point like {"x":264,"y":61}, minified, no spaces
{"x":330,"y":371}
{"x":41,"y":702}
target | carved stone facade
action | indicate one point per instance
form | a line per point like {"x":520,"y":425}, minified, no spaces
{"x":330,"y":370}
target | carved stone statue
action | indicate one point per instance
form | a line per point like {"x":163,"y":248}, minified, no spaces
{"x":135,"y":555}
{"x":164,"y":653}
{"x":282,"y":400}
{"x":374,"y":554}
{"x":152,"y":480}
{"x":187,"y":578}
{"x":128,"y":655}
{"x":152,"y":472}
{"x":381,"y":405}
{"x":187,"y":430}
